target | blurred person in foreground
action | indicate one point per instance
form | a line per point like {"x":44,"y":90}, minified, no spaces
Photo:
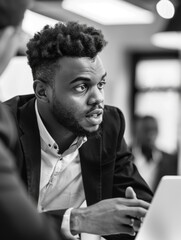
{"x":19,"y":218}
{"x":152,"y":162}
{"x":71,"y":147}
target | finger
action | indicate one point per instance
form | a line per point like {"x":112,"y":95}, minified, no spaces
{"x":137,"y":224}
{"x":128,"y":221}
{"x":128,"y":230}
{"x":134,"y":223}
{"x":130,"y":193}
{"x":136,"y":212}
{"x":134,"y":203}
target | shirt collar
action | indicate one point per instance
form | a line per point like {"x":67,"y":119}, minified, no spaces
{"x":46,"y":140}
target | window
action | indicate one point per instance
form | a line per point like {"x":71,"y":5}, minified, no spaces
{"x":157,"y":92}
{"x":16,"y":79}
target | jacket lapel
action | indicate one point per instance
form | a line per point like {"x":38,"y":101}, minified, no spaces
{"x":30,"y":141}
{"x":90,"y":157}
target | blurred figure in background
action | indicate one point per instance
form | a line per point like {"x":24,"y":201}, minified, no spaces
{"x":152,"y":162}
{"x":18,"y":215}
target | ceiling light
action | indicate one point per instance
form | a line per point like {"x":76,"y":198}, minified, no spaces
{"x":165,"y":9}
{"x":170,"y":36}
{"x":109,"y":12}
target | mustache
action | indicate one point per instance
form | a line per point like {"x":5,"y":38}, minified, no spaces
{"x":96,"y":107}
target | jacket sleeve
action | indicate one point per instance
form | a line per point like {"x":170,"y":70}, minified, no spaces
{"x":126,"y":173}
{"x":19,"y":217}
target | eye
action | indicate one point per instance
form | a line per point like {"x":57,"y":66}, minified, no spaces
{"x":81,"y":88}
{"x":101,"y":84}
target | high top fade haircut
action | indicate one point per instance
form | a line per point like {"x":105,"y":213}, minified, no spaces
{"x":69,"y":39}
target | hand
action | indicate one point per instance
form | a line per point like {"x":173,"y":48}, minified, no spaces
{"x":135,"y":222}
{"x":110,"y":216}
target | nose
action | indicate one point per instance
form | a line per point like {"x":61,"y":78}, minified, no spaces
{"x":96,"y":96}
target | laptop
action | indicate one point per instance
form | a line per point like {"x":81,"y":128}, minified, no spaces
{"x":163,"y":219}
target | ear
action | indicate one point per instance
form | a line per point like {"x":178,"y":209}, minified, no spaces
{"x":40,"y":89}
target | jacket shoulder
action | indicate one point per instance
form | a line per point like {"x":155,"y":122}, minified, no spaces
{"x":18,"y":101}
{"x":113,"y":120}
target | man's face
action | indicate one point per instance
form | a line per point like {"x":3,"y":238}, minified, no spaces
{"x":78,"y":94}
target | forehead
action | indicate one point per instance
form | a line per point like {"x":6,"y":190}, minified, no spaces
{"x":73,"y":67}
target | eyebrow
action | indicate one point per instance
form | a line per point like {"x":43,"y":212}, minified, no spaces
{"x":85,"y":79}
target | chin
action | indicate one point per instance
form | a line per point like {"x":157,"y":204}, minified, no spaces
{"x":81,"y":130}
{"x":93,"y":131}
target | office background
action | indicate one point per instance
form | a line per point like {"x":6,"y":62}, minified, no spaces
{"x":142,"y":78}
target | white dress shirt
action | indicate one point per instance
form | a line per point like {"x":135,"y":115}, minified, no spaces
{"x":61,"y":185}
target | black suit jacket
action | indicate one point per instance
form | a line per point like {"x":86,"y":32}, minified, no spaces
{"x":18,"y":215}
{"x":106,"y":163}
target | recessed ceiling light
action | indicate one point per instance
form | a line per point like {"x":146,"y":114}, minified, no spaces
{"x":165,"y":9}
{"x":109,"y":12}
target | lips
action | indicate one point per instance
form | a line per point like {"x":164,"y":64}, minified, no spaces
{"x":95,"y":113}
{"x":95,"y":117}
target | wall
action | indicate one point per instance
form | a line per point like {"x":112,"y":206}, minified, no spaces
{"x":122,"y":40}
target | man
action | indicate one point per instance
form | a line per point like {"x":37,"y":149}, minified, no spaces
{"x":19,"y":218}
{"x":71,"y":148}
{"x":152,"y":162}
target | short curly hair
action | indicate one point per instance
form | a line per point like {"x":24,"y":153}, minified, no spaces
{"x":69,"y":39}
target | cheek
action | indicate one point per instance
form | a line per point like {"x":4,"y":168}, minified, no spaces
{"x":77,"y":104}
{"x":77,"y":110}
{"x":70,"y":103}
{"x":74,"y":107}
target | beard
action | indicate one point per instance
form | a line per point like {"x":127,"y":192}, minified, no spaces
{"x":65,"y":117}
